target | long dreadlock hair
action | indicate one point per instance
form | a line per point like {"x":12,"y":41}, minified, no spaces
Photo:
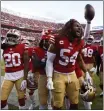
{"x":66,"y":30}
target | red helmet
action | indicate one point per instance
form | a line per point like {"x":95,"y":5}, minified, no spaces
{"x":46,"y":31}
{"x":45,"y":37}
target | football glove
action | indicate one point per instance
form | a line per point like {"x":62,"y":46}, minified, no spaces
{"x":50,"y":83}
{"x":23,"y":85}
{"x":88,"y":78}
{"x":93,"y":69}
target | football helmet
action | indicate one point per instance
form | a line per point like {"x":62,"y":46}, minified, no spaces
{"x":90,"y":40}
{"x":87,"y":92}
{"x":44,"y":41}
{"x":101,"y":42}
{"x":46,"y":31}
{"x":31,"y":83}
{"x":13,"y":37}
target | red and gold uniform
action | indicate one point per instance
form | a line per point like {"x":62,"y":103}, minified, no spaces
{"x":14,"y":70}
{"x":42,"y":80}
{"x":64,"y":78}
{"x":88,"y":56}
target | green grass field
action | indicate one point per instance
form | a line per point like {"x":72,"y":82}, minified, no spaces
{"x":97,"y":103}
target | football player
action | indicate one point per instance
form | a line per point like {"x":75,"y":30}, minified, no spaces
{"x":88,"y":55}
{"x":100,"y":56}
{"x":16,"y":68}
{"x":31,"y":78}
{"x":88,"y":52}
{"x":38,"y":55}
{"x":59,"y":57}
{"x":79,"y":74}
{"x":89,"y":15}
{"x":62,"y":57}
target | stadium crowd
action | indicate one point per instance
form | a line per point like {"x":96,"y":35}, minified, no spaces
{"x":25,"y":22}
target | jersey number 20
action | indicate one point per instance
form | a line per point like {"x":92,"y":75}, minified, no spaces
{"x":12,"y":60}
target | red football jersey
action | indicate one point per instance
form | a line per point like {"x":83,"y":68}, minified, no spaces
{"x":66,"y":54}
{"x":42,"y":56}
{"x":100,"y":50}
{"x":13,"y":57}
{"x":87,"y":53}
{"x":30,"y":61}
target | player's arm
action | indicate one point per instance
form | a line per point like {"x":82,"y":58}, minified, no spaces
{"x":26,"y":64}
{"x":81,"y":63}
{"x":87,"y":29}
{"x":83,"y":67}
{"x":93,"y":69}
{"x":51,"y":54}
{"x":50,"y":58}
{"x":26,"y":68}
{"x":94,"y":61}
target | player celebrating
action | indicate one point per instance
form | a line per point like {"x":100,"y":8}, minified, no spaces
{"x":90,"y":94}
{"x":16,"y":68}
{"x":62,"y":56}
{"x":59,"y":90}
{"x":38,"y":55}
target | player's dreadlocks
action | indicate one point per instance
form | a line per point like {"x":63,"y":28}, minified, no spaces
{"x":67,"y":30}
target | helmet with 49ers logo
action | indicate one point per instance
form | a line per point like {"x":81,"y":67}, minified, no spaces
{"x":13,"y":37}
{"x":44,"y":41}
{"x":87,"y":92}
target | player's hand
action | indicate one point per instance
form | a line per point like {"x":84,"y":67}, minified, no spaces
{"x":89,"y":12}
{"x":93,"y":70}
{"x":88,"y":78}
{"x":23,"y":85}
{"x":52,"y":39}
{"x":50,"y":83}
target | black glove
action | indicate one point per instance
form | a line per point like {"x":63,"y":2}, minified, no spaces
{"x":89,"y":12}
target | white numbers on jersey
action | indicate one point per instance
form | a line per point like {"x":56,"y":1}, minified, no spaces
{"x":87,"y":52}
{"x":72,"y":59}
{"x":10,"y":60}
